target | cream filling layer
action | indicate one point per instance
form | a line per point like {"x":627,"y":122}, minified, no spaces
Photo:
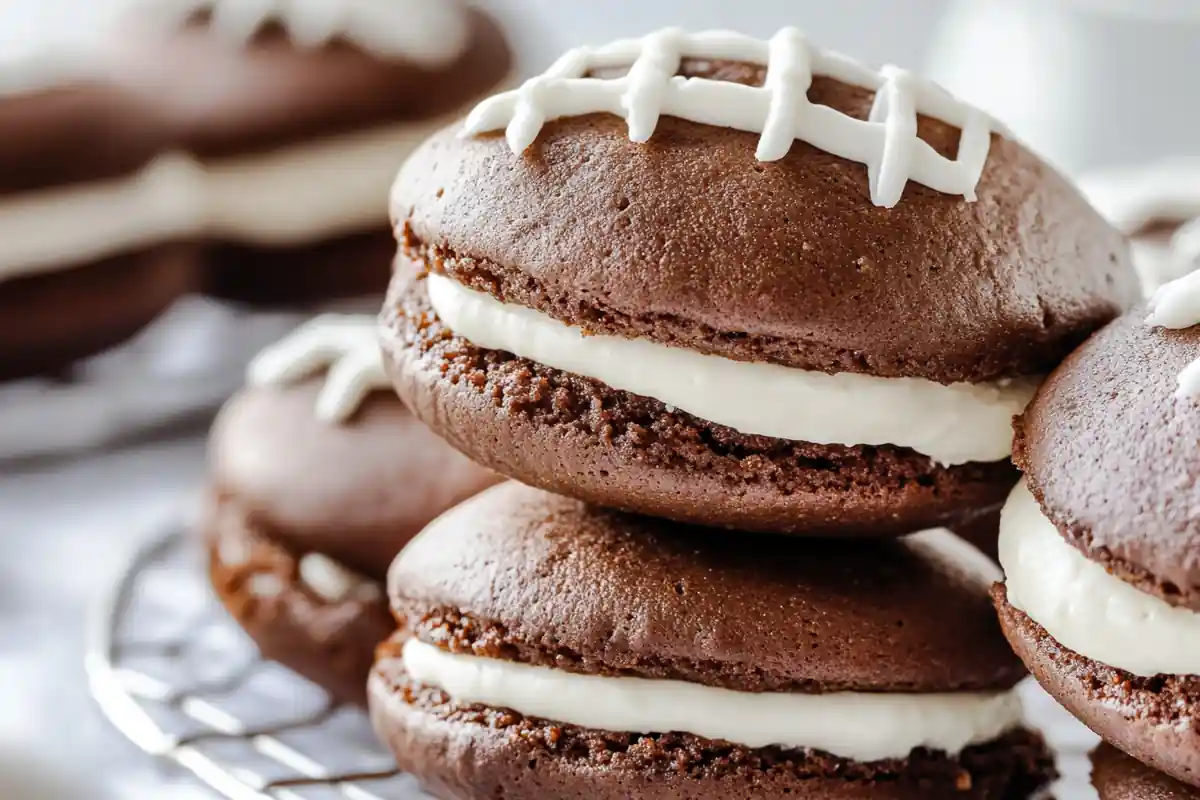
{"x":951,"y":424}
{"x":859,"y":726}
{"x":50,"y":230}
{"x":1085,"y":608}
{"x":312,"y":191}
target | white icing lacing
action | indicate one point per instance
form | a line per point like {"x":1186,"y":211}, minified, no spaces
{"x":1176,"y":305}
{"x":333,"y":582}
{"x":427,"y":32}
{"x":779,"y":110}
{"x":347,"y":345}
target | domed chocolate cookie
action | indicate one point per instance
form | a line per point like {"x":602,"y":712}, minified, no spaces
{"x":1101,"y":544}
{"x":551,"y":650}
{"x":302,"y":112}
{"x":315,"y":486}
{"x":93,"y":215}
{"x":1116,"y":776}
{"x":745,"y":305}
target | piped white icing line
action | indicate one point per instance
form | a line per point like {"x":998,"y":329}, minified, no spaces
{"x":346,"y":345}
{"x":951,"y":424}
{"x":331,"y":581}
{"x":57,"y":228}
{"x":859,"y":726}
{"x":427,"y":32}
{"x":312,"y":191}
{"x":1084,"y":607}
{"x":1176,"y":305}
{"x":779,"y":110}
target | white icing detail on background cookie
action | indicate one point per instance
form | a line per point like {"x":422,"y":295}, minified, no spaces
{"x":1136,"y":198}
{"x":951,"y":424}
{"x":1083,"y":606}
{"x":265,"y":584}
{"x":1176,"y":305}
{"x":346,"y":345}
{"x":427,"y":32}
{"x":332,"y":581}
{"x":779,"y":110}
{"x":61,"y":227}
{"x":856,"y":725}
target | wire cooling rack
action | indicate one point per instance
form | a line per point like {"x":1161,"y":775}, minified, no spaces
{"x":177,"y":677}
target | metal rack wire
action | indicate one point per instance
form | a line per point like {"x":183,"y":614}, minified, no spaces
{"x":181,"y":681}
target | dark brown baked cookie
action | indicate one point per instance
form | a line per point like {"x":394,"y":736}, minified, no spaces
{"x":91,"y":224}
{"x":686,"y":241}
{"x":305,"y":515}
{"x":1100,"y":543}
{"x":259,"y":109}
{"x":1150,"y":717}
{"x":525,"y":583}
{"x":1116,"y":776}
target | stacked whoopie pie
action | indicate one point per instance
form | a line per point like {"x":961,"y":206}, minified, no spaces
{"x":785,"y":294}
{"x":300,"y":112}
{"x":1101,"y":544}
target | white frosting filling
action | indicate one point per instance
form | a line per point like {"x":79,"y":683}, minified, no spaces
{"x":345,"y":345}
{"x":427,"y":32}
{"x":887,"y":143}
{"x":61,"y":227}
{"x":312,"y":191}
{"x":332,"y":581}
{"x":951,"y":424}
{"x":1085,"y":608}
{"x":860,"y":726}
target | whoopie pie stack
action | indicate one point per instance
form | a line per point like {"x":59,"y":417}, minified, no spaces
{"x":300,"y":112}
{"x":747,"y":321}
{"x":1100,"y":542}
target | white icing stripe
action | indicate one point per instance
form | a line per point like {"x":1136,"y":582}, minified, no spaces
{"x":779,"y":110}
{"x":312,"y":191}
{"x":63,"y":227}
{"x":346,"y":345}
{"x":1084,"y":607}
{"x":1177,"y":305}
{"x":860,"y":726}
{"x":950,"y":424}
{"x":427,"y":32}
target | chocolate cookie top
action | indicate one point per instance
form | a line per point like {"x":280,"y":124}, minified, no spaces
{"x":226,"y":98}
{"x":525,"y":575}
{"x":355,"y":492}
{"x":687,"y":238}
{"x":1108,"y":445}
{"x":79,"y":130}
{"x":1116,"y":776}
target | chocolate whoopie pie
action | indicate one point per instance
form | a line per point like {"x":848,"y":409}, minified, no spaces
{"x":93,"y":215}
{"x":763,"y":312}
{"x":315,"y":486}
{"x":301,"y":112}
{"x":1116,"y":776}
{"x":550,"y":650}
{"x":1101,"y":543}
